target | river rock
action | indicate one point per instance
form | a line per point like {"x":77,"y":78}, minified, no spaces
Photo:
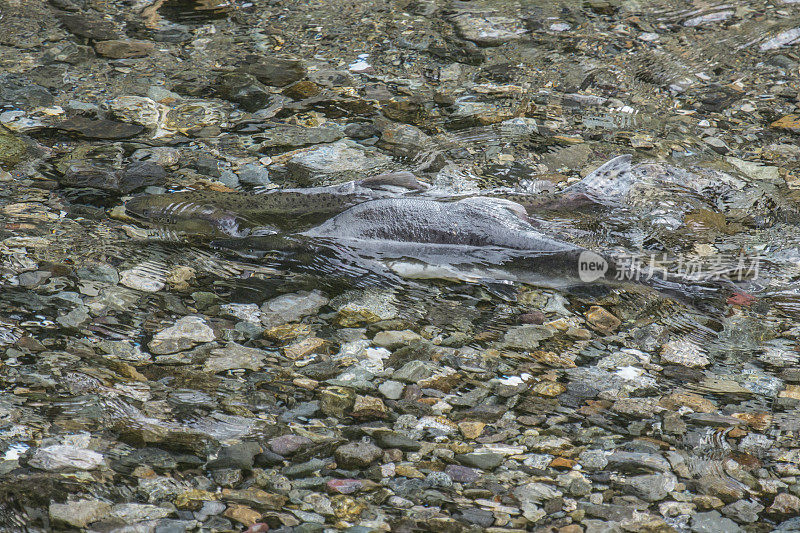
{"x":187,"y":332}
{"x":122,"y":49}
{"x":357,"y":455}
{"x":65,"y":457}
{"x":79,"y":513}
{"x":340,"y":160}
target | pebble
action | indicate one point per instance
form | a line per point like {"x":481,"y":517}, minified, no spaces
{"x":122,"y":49}
{"x":187,"y":332}
{"x":357,"y":455}
{"x":684,"y":353}
{"x":234,"y":356}
{"x":131,"y":513}
{"x":342,"y":158}
{"x":65,"y":457}
{"x":80,"y":513}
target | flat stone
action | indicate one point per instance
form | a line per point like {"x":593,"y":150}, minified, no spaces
{"x":471,"y":429}
{"x":292,"y":307}
{"x":342,"y":157}
{"x":83,"y":26}
{"x":415,"y":371}
{"x":131,"y":513}
{"x":394,"y":439}
{"x":123,"y":49}
{"x":304,"y":348}
{"x":369,"y":407}
{"x":685,"y":353}
{"x":357,"y":455}
{"x":281,"y":137}
{"x":714,"y":485}
{"x":695,"y":402}
{"x":255,"y":498}
{"x":100,"y":128}
{"x":304,"y":469}
{"x":274,"y":71}
{"x":187,"y":332}
{"x":234,"y":356}
{"x":344,"y":486}
{"x":636,"y":407}
{"x":601,"y":320}
{"x":336,"y":401}
{"x":788,"y":122}
{"x":637,"y":462}
{"x":744,"y":511}
{"x":246,"y":312}
{"x":785,"y":504}
{"x":395,"y":339}
{"x":79,"y":513}
{"x":462,"y":474}
{"x":526,"y":337}
{"x":651,"y":487}
{"x":243,"y":515}
{"x":488,"y":30}
{"x":239,"y":456}
{"x":482,"y":460}
{"x":391,"y":390}
{"x":141,"y":280}
{"x":65,"y":457}
{"x":289,"y":444}
{"x":713,"y":522}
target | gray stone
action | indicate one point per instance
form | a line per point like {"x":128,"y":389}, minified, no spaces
{"x":713,"y":522}
{"x":393,"y":439}
{"x":304,"y":469}
{"x":247,"y":312}
{"x":593,"y":459}
{"x":601,"y":526}
{"x":637,"y":461}
{"x":187,"y":332}
{"x":238,"y":456}
{"x":685,"y":353}
{"x":208,"y":509}
{"x":276,"y":71}
{"x":414,"y":371}
{"x":234,"y":356}
{"x":488,"y":30}
{"x":526,"y":337}
{"x":243,"y":89}
{"x":743,"y":511}
{"x":535,"y":493}
{"x":791,"y":525}
{"x":391,"y":390}
{"x":357,"y":455}
{"x":65,"y":457}
{"x":286,"y":137}
{"x":482,"y":460}
{"x":343,"y":158}
{"x":79,"y":513}
{"x":395,"y":339}
{"x":130,"y":513}
{"x":651,"y":487}
{"x":289,"y":444}
{"x":253,"y":174}
{"x":462,"y":474}
{"x":292,"y":307}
